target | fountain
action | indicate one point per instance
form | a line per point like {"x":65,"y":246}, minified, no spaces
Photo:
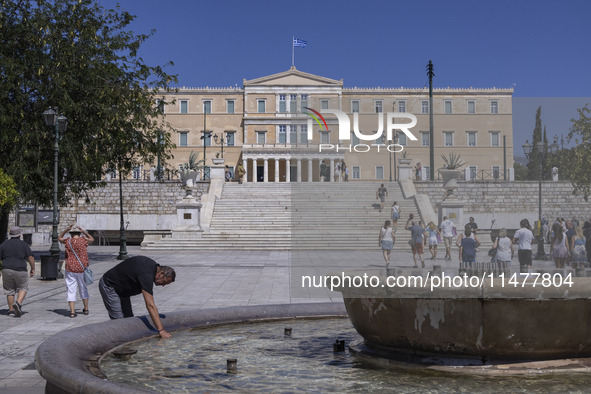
{"x":489,"y":330}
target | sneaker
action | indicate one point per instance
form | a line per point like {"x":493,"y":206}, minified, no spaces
{"x":11,"y":314}
{"x":18,"y":311}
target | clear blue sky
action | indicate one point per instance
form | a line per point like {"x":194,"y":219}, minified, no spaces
{"x":540,"y":46}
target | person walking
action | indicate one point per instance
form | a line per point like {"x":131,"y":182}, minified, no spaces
{"x":433,"y":237}
{"x":558,"y":248}
{"x":524,"y":237}
{"x":386,"y":240}
{"x":240,"y":171}
{"x":381,"y":194}
{"x":504,"y":248}
{"x":468,"y":246}
{"x":417,"y":238}
{"x":395,"y":213}
{"x":447,"y":229}
{"x":14,"y":254}
{"x":133,"y":276}
{"x":76,"y":261}
{"x":579,"y":254}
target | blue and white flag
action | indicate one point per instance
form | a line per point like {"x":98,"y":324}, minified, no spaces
{"x":299,"y":43}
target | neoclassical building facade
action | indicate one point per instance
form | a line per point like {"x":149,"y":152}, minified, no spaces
{"x":275,"y":126}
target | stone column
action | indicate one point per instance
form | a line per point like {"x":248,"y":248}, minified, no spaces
{"x":299,"y":170}
{"x":276,"y":170}
{"x":288,"y":171}
{"x":331,"y":170}
{"x":266,"y":170}
{"x":245,"y":166}
{"x":254,"y":170}
{"x":309,"y":170}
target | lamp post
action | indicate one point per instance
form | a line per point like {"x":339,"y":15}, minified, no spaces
{"x":122,"y":238}
{"x":225,"y":137}
{"x":60,"y":124}
{"x":543,"y":151}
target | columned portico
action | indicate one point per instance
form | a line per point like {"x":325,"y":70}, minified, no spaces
{"x":277,"y":163}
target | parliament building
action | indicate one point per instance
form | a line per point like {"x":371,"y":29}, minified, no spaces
{"x":272,"y":126}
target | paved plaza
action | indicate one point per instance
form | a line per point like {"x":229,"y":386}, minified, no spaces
{"x":205,"y":279}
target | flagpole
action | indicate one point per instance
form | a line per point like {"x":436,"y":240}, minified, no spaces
{"x":292,"y":51}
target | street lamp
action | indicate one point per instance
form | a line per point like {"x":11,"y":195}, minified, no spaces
{"x":225,"y":136}
{"x":60,"y":124}
{"x":543,"y":151}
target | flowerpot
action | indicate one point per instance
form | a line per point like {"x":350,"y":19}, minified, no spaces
{"x":189,"y":177}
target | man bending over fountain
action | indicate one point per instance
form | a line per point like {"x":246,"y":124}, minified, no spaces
{"x":133,"y":276}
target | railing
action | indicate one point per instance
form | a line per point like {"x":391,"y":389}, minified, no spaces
{"x":477,"y":176}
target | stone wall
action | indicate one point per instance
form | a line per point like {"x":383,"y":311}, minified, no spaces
{"x":509,"y":202}
{"x":145,"y":204}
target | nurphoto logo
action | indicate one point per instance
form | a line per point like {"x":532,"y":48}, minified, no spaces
{"x":345,"y":130}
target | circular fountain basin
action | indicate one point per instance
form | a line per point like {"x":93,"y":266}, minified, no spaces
{"x":495,"y":321}
{"x":69,"y":359}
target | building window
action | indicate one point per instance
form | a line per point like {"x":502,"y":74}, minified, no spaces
{"x":448,"y":138}
{"x":402,"y":139}
{"x":324,"y":137}
{"x":184,"y":106}
{"x":206,"y":106}
{"x":427,"y":172}
{"x":379,"y":172}
{"x":293,"y":134}
{"x":402,"y":106}
{"x":137,"y":172}
{"x":323,"y":104}
{"x":282,"y":134}
{"x":496,"y":172}
{"x":293,"y":103}
{"x":472,"y":172}
{"x":471,"y":138}
{"x":494,"y":107}
{"x":424,"y":138}
{"x":355,"y":106}
{"x":261,"y":137}
{"x":378,"y":106}
{"x":229,"y":138}
{"x":261,"y":106}
{"x":354,"y":139}
{"x":282,"y":103}
{"x":303,"y":102}
{"x":424,"y":107}
{"x":183,"y":138}
{"x":356,"y":172}
{"x":303,"y":134}
{"x":471,"y":107}
{"x":160,"y":105}
{"x":207,"y":138}
{"x":447,"y":106}
{"x":230,"y":106}
{"x":494,"y":138}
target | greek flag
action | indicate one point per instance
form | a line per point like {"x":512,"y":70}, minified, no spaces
{"x":299,"y":43}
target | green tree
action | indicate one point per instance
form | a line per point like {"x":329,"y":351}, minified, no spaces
{"x":520,"y":173}
{"x":79,"y":57}
{"x":580,"y":159}
{"x":533,"y":165}
{"x":8,"y":198}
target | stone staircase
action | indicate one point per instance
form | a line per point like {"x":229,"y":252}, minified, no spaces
{"x":298,"y":216}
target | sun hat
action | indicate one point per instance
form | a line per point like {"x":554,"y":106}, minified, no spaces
{"x":14,"y":232}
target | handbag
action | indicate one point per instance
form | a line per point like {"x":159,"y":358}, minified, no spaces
{"x":412,"y":242}
{"x":88,"y":275}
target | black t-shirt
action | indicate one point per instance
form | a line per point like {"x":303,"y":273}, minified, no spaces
{"x":131,"y":276}
{"x":14,"y":254}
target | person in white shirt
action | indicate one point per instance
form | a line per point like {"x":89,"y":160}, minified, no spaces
{"x":447,"y":231}
{"x":524,"y":237}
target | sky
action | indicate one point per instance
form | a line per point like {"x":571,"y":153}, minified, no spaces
{"x":540,"y":48}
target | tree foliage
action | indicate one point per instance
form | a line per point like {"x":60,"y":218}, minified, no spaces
{"x":79,"y":57}
{"x":8,"y":192}
{"x":533,"y":165}
{"x":580,"y":162}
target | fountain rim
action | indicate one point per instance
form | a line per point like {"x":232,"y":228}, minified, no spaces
{"x":66,"y":360}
